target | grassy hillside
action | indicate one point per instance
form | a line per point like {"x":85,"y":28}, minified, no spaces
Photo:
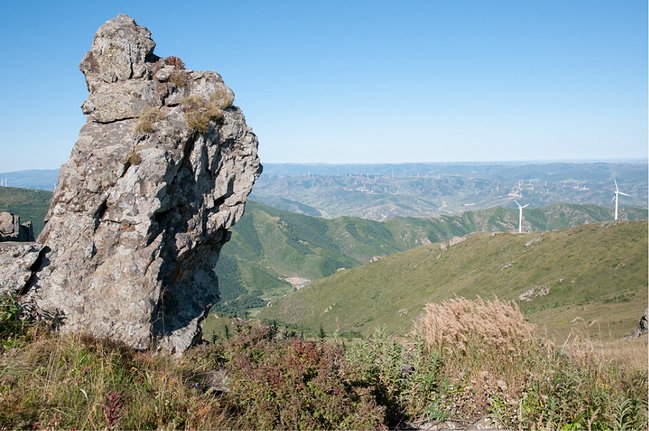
{"x":28,"y":204}
{"x":269,"y":245}
{"x":597,"y":272}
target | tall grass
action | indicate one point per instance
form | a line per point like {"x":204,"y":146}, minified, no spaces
{"x":465,"y":360}
{"x":84,"y":383}
{"x":458,"y":324}
{"x":495,"y":365}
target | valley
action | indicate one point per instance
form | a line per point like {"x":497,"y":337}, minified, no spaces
{"x":270,"y":247}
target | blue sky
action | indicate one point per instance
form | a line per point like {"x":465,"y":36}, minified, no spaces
{"x":358,"y":81}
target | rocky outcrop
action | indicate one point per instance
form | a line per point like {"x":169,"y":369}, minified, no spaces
{"x":643,"y":326}
{"x":160,"y":172}
{"x":534,"y":292}
{"x":11,"y":229}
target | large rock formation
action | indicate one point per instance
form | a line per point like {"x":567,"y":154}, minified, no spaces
{"x":161,"y":170}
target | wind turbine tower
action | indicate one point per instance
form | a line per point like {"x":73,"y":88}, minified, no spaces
{"x":616,"y":197}
{"x":520,"y":216}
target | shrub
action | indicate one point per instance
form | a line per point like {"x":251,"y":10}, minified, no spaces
{"x":148,"y":119}
{"x":13,"y":324}
{"x":134,"y":159}
{"x":175,"y":61}
{"x":296,"y":384}
{"x":222,"y":98}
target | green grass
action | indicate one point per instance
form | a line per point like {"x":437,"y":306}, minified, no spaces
{"x":597,"y":272}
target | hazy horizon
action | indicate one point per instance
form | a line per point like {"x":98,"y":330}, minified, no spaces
{"x":452,"y":162}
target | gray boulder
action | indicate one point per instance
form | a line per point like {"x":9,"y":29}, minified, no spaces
{"x":160,"y":172}
{"x":11,"y":229}
{"x":17,"y":262}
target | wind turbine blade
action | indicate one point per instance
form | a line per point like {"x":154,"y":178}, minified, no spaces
{"x":616,"y":189}
{"x":624,"y":194}
{"x":525,"y":206}
{"x":613,"y":199}
{"x":517,"y":203}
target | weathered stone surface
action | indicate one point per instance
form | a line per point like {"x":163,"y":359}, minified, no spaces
{"x":139,"y":214}
{"x":17,"y":260}
{"x":8,"y":227}
{"x":12,"y":230}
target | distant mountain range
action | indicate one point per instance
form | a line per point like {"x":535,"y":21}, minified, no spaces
{"x":382,"y":191}
{"x":37,"y":179}
{"x":595,"y":274}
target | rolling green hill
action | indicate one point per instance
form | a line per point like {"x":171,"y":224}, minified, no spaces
{"x":597,"y":272}
{"x":270,"y":246}
{"x":28,"y":204}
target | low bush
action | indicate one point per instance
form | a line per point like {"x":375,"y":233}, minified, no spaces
{"x":14,"y":324}
{"x":200,"y":112}
{"x":296,"y":384}
{"x":175,"y":61}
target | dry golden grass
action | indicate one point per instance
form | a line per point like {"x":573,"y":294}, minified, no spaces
{"x":148,"y":119}
{"x":66,"y":382}
{"x":496,"y":364}
{"x":456,"y":323}
{"x":179,"y":78}
{"x":631,"y":353}
{"x":222,"y":97}
{"x":586,"y":343}
{"x":199,"y":112}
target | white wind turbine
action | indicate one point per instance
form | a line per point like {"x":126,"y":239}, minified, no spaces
{"x":520,"y":216}
{"x":616,"y":197}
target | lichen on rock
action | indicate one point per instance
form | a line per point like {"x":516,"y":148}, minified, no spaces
{"x":140,"y":214}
